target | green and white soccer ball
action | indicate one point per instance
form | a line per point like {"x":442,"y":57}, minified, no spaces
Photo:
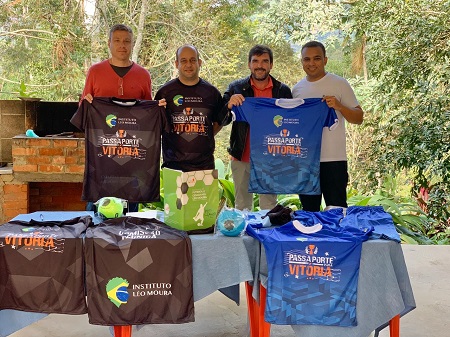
{"x":110,"y":207}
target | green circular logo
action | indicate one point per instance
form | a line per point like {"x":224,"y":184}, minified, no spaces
{"x":278,"y":120}
{"x":178,"y":100}
{"x":111,"y":121}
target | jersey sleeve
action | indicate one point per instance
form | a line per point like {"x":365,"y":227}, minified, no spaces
{"x":79,"y":119}
{"x":158,"y":95}
{"x":238,"y":113}
{"x":258,"y":233}
{"x":332,"y":120}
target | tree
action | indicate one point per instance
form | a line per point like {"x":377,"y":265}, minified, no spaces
{"x":408,"y":54}
{"x":43,"y":45}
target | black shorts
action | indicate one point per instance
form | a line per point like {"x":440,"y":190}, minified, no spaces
{"x":333,"y":184}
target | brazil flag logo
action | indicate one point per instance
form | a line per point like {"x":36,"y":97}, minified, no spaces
{"x":178,"y":100}
{"x":111,"y":121}
{"x":278,"y":120}
{"x":28,"y":229}
{"x":117,"y":291}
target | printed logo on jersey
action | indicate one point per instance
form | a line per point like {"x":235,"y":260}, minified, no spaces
{"x":121,"y":133}
{"x":285,"y":133}
{"x":311,"y":263}
{"x":29,"y":229}
{"x":188,"y":111}
{"x":178,"y":100}
{"x":117,"y":291}
{"x":278,"y":120}
{"x":32,"y":238}
{"x":189,"y":122}
{"x":283,"y":144}
{"x":147,"y":233}
{"x":193,"y":99}
{"x":111,"y":121}
{"x":121,"y":144}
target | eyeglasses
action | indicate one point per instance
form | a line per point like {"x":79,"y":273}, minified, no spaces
{"x":120,"y":86}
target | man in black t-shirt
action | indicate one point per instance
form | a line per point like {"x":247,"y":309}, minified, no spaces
{"x":193,"y":110}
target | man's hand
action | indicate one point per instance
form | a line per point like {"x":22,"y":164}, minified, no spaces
{"x":332,"y":102}
{"x":162,"y":102}
{"x":352,"y":115}
{"x":235,"y":100}
{"x":88,"y":98}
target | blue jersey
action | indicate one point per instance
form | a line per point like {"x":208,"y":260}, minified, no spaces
{"x":285,"y":141}
{"x":312,"y":271}
{"x":356,"y":219}
{"x":375,"y":216}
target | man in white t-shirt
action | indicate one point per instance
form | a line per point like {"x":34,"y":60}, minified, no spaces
{"x":338,"y":94}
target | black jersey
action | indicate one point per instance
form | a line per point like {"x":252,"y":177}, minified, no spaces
{"x":123,"y":148}
{"x":191,"y":111}
{"x":42,"y":266}
{"x":138,"y":271}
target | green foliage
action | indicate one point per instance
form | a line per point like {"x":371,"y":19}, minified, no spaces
{"x":44,"y":46}
{"x":23,"y":91}
{"x":299,"y":21}
{"x":219,"y":30}
{"x":290,"y":200}
{"x":227,"y":191}
{"x":407,"y":129}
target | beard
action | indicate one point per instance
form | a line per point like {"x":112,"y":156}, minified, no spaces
{"x":260,"y":76}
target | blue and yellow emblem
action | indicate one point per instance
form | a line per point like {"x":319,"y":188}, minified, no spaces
{"x":278,"y":121}
{"x":111,"y":121}
{"x":178,"y":100}
{"x":117,"y":291}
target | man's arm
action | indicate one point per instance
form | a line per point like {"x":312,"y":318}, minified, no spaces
{"x":88,"y":89}
{"x":216,"y":128}
{"x":225,"y":115}
{"x":352,"y":115}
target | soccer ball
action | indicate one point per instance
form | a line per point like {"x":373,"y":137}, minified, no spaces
{"x":110,"y":207}
{"x":231,"y":222}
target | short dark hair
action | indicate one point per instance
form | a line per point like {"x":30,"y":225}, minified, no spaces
{"x":187,"y":45}
{"x":314,"y":44}
{"x":119,"y":26}
{"x":258,"y":50}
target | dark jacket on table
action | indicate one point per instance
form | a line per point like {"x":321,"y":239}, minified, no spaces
{"x":239,"y":130}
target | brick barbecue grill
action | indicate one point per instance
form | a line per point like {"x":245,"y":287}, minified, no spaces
{"x":43,"y":173}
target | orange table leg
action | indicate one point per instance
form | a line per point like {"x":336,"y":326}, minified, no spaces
{"x":264,"y":327}
{"x":394,"y":326}
{"x":122,"y":331}
{"x":253,"y":311}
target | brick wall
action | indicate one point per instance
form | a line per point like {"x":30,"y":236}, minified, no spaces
{"x":13,"y":197}
{"x":46,"y":156}
{"x":46,"y":175}
{"x":55,"y":197}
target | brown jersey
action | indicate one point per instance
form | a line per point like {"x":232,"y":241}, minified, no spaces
{"x":138,"y":271}
{"x":41,"y":265}
{"x":123,"y":148}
